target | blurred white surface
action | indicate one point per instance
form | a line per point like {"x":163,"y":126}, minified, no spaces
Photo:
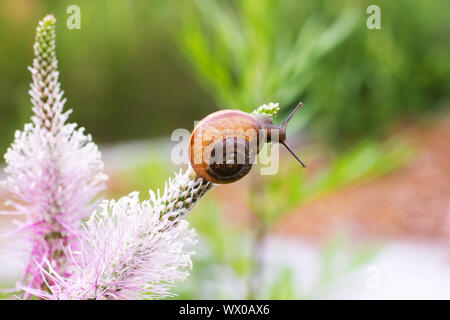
{"x":400,"y":270}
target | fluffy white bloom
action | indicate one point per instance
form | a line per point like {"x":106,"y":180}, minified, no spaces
{"x":270,"y":109}
{"x":133,"y":249}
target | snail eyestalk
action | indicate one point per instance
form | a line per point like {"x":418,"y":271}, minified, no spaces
{"x":283,"y":136}
{"x":285,"y":123}
{"x":293,"y":153}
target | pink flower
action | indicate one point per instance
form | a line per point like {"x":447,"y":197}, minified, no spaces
{"x":53,"y":169}
{"x":132,"y":249}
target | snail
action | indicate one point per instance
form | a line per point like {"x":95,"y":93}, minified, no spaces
{"x":223,"y":146}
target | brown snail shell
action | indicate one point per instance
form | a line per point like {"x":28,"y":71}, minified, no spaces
{"x":224,"y":145}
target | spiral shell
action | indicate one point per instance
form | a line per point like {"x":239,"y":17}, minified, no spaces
{"x":223,"y":146}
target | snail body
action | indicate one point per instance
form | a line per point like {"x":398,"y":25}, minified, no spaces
{"x":224,"y":144}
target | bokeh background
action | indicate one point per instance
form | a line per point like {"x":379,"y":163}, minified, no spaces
{"x":369,"y":218}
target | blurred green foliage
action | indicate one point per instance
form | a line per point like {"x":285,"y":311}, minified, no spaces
{"x":129,"y":71}
{"x":145,"y":175}
{"x":250,"y":52}
{"x":381,"y":76}
{"x":120,"y":71}
{"x":274,"y":196}
{"x":354,"y":81}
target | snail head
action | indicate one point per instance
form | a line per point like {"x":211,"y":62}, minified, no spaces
{"x":281,"y":131}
